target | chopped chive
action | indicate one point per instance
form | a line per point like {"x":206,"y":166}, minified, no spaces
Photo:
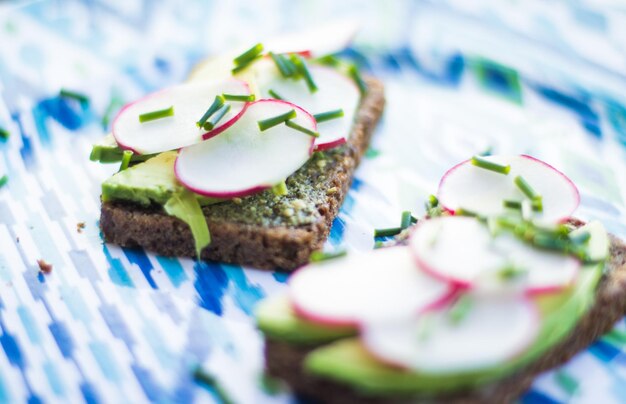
{"x":209,"y":380}
{"x":460,"y":309}
{"x":244,"y":66}
{"x":465,"y":212}
{"x":511,"y":272}
{"x":161,"y":113}
{"x":217,"y":104}
{"x":126,"y":156}
{"x":277,"y":120}
{"x":433,"y":201}
{"x":82,"y":98}
{"x":327,"y":116}
{"x":526,"y":188}
{"x":353,"y":71}
{"x":3,"y":180}
{"x":284,"y":65}
{"x":328,"y":60}
{"x":387,"y":232}
{"x":517,"y":205}
{"x":275,"y":95}
{"x":491,"y":166}
{"x":581,"y":238}
{"x":317,"y":256}
{"x":549,"y":242}
{"x":4,"y":134}
{"x":248,"y":55}
{"x":302,"y":129}
{"x":302,"y":68}
{"x":216,"y":117}
{"x":236,"y":97}
{"x":413,"y":219}
{"x":280,"y":189}
{"x":406,"y":219}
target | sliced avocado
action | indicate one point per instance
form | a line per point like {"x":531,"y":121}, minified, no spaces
{"x":152,"y":181}
{"x":107,"y":151}
{"x":276,"y":319}
{"x":346,"y":361}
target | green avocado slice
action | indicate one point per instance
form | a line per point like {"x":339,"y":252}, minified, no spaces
{"x":108,"y":151}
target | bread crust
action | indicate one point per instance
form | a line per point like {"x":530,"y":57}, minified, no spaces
{"x":285,"y":360}
{"x":260,"y":246}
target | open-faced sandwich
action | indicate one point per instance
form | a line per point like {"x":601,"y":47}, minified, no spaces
{"x":247,"y":168}
{"x":497,"y":285}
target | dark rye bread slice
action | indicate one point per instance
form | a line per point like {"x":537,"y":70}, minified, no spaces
{"x":263,"y":230}
{"x":285,"y":360}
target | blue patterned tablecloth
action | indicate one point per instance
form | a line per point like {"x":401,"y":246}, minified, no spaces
{"x":122,"y":325}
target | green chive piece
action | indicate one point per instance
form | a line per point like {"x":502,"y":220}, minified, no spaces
{"x":126,"y":156}
{"x":491,"y":166}
{"x":511,"y":272}
{"x":328,"y":60}
{"x":581,"y":238}
{"x":3,"y":180}
{"x":406,"y":219}
{"x":284,"y":65}
{"x":4,"y":134}
{"x":201,"y":376}
{"x":161,"y":113}
{"x":216,"y":117}
{"x":280,"y":189}
{"x":275,"y":95}
{"x":517,"y":205}
{"x":242,"y":98}
{"x":82,"y":98}
{"x":387,"y":232}
{"x":549,"y":242}
{"x":239,"y":69}
{"x":460,"y":309}
{"x":327,"y":116}
{"x":318,"y":256}
{"x":525,"y":187}
{"x":302,"y":68}
{"x":248,"y":55}
{"x":413,"y":219}
{"x":217,"y":104}
{"x":353,"y":71}
{"x":302,"y":129}
{"x":433,"y":201}
{"x":277,"y":120}
{"x":465,"y":212}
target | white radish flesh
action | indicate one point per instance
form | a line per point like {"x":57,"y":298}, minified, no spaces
{"x":365,"y":287}
{"x":461,"y":250}
{"x":243,"y":159}
{"x":483,"y":191}
{"x":190,"y":101}
{"x":491,"y":332}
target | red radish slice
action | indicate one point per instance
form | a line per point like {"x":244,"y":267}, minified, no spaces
{"x":365,"y":287}
{"x":492,"y":331}
{"x":462,"y":251}
{"x":482,"y":191}
{"x":243,"y":160}
{"x":190,"y":102}
{"x":335,"y":91}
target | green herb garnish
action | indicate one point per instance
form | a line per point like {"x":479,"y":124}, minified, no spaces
{"x":284,"y":65}
{"x":354,"y":73}
{"x":302,"y":68}
{"x":387,"y":232}
{"x":126,"y":156}
{"x":581,"y":238}
{"x":517,"y":205}
{"x":465,"y":212}
{"x":241,"y":98}
{"x":277,"y":120}
{"x":161,"y":113}
{"x":4,"y":134}
{"x":327,"y":116}
{"x":275,"y":95}
{"x":406,"y":219}
{"x":478,"y":161}
{"x":201,"y":376}
{"x":302,"y":129}
{"x":217,"y":104}
{"x":432,"y":207}
{"x":3,"y":180}
{"x":318,"y":256}
{"x":526,"y":188}
{"x":328,"y":60}
{"x":248,"y":55}
{"x":280,"y":189}
{"x":460,"y":309}
{"x":216,"y":117}
{"x":511,"y":272}
{"x":82,"y":98}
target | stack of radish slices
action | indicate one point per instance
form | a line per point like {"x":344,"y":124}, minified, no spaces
{"x":231,"y":145}
{"x":462,"y":295}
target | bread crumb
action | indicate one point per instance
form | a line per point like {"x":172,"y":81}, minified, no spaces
{"x":331,"y":191}
{"x":80,"y":226}
{"x":237,"y":201}
{"x":44,"y":267}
